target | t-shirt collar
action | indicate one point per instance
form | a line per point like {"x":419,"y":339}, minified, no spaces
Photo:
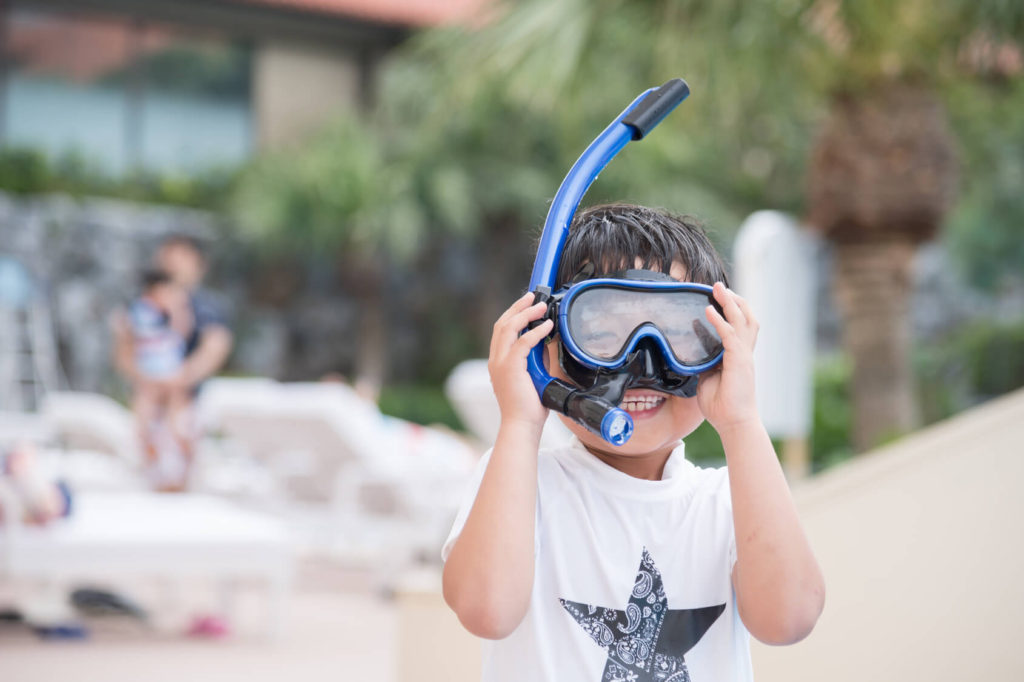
{"x":674,"y":476}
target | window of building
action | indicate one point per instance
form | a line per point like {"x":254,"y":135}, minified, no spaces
{"x":123,"y":95}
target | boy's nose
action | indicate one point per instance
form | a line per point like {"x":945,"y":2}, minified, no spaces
{"x":647,"y":368}
{"x":646,"y":361}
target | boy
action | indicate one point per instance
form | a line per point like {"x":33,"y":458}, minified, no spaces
{"x":590,"y":562}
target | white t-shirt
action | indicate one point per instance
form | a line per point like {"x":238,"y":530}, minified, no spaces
{"x":632,"y":577}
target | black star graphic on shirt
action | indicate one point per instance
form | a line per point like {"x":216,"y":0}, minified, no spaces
{"x":647,"y":641}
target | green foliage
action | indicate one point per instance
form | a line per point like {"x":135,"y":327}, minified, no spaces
{"x":831,"y":440}
{"x":832,"y":421}
{"x":984,"y":233}
{"x":475,"y":127}
{"x":568,"y":67}
{"x":422,"y":404}
{"x":994,"y":357}
{"x":343,"y":189}
{"x":24,"y":171}
{"x":980,"y":361}
{"x":27,"y":171}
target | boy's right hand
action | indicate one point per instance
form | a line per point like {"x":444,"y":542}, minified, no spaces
{"x":517,"y":398}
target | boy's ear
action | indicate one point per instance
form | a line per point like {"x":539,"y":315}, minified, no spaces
{"x":550,"y":347}
{"x":551,"y":353}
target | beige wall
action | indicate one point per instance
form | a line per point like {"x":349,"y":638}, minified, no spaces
{"x":922,"y":545}
{"x":298,"y":87}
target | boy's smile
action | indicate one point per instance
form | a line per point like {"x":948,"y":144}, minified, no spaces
{"x":642,"y":404}
{"x":660,"y":422}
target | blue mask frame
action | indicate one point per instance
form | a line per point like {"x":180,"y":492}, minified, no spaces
{"x":596,"y":409}
{"x":646,"y":331}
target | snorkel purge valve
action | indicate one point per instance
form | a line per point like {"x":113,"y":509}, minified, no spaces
{"x":595,"y":407}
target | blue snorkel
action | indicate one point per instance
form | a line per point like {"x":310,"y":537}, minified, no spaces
{"x":592,"y":409}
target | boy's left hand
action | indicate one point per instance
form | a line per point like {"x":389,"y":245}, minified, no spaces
{"x":726,"y":397}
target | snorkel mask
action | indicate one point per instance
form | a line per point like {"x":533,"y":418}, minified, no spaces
{"x":631,"y":329}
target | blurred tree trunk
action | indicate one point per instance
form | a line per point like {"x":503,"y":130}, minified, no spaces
{"x":365,"y":276}
{"x":882,"y":175}
{"x":873,"y":289}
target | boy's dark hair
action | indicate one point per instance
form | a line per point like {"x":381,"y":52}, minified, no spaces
{"x":613,"y":236}
{"x":154,"y":277}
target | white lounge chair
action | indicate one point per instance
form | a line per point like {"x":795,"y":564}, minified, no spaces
{"x":468,"y":388}
{"x":391,"y":487}
{"x":90,"y":421}
{"x":113,"y":536}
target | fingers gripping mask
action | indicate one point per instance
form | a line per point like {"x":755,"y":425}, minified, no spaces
{"x":635,"y":328}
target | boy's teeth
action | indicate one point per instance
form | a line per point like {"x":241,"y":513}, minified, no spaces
{"x":641,"y":404}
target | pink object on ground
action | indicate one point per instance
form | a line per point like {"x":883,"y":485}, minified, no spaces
{"x":209,"y":627}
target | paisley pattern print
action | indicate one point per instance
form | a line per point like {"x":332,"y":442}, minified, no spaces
{"x":645,"y":642}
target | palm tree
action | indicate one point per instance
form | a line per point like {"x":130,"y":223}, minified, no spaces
{"x":881,"y":173}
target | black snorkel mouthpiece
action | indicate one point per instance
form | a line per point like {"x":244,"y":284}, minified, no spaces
{"x":598,"y":414}
{"x":594,"y":407}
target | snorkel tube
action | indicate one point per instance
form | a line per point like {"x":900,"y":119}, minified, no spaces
{"x":592,"y":409}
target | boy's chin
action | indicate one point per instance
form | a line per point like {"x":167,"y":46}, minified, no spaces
{"x":650,"y":435}
{"x":640,"y":443}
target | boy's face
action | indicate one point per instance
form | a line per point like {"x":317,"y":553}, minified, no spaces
{"x":660,"y":420}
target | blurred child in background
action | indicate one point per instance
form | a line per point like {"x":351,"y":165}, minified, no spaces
{"x":160,"y":319}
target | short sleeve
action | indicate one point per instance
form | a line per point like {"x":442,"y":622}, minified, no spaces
{"x":208,"y":311}
{"x":466,"y":504}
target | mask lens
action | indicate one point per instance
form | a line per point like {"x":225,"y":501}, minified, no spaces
{"x":602,"y":320}
{"x":694,"y":341}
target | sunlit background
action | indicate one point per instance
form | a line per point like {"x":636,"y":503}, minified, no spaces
{"x":367,"y":181}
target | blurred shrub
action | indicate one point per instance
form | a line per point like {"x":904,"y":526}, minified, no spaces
{"x":830,"y":440}
{"x":994,"y":353}
{"x":419,"y":403}
{"x":29,"y":171}
{"x":833,"y":416}
{"x":24,"y":171}
{"x":981,"y":361}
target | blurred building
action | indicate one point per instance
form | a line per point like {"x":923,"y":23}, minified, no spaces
{"x":186,"y":85}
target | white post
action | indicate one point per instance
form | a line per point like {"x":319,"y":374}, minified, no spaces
{"x":774,"y":271}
